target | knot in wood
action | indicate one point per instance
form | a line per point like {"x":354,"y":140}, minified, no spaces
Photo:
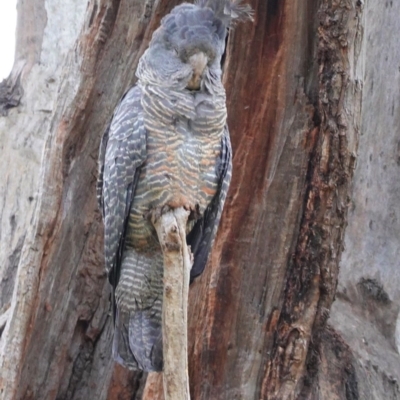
{"x":172,"y":239}
{"x":172,"y":246}
{"x":168,"y":290}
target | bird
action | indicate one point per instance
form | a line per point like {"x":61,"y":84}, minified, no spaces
{"x":167,"y":146}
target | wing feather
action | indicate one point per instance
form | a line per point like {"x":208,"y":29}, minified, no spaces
{"x":122,"y":152}
{"x":202,"y":236}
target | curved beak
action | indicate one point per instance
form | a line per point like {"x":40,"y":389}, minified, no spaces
{"x":198,"y":62}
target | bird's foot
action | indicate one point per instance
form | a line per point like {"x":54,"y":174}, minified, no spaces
{"x":155,"y":213}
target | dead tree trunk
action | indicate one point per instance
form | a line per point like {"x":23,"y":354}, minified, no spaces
{"x":306,"y":83}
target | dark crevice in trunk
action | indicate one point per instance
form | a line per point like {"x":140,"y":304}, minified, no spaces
{"x":11,"y":93}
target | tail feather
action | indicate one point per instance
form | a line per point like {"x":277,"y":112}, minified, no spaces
{"x":137,"y":335}
{"x":138,"y":341}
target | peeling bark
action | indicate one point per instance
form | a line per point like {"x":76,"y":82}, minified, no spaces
{"x":299,"y":102}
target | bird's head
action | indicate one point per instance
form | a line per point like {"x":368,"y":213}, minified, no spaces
{"x":190,"y":42}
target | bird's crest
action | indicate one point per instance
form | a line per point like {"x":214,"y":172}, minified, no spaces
{"x":229,"y":11}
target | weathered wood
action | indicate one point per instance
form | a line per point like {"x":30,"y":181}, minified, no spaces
{"x":366,"y":310}
{"x":257,"y":317}
{"x":153,"y":389}
{"x":171,"y":232}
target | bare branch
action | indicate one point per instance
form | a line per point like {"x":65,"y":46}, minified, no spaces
{"x":171,"y":231}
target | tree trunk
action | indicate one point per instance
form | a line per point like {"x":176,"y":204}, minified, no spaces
{"x":305,"y":84}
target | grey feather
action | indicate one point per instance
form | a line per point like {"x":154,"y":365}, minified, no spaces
{"x":122,"y":151}
{"x":229,"y":11}
{"x":202,"y":236}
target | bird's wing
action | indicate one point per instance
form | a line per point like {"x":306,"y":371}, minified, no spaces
{"x":122,"y":152}
{"x":202,"y":236}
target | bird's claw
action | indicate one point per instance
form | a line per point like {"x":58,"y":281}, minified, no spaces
{"x":155,"y":213}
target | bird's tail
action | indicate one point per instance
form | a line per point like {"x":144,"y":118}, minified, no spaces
{"x":138,"y":341}
{"x":137,"y":335}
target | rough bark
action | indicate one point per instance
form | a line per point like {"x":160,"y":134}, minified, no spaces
{"x":305,"y":83}
{"x":366,"y":310}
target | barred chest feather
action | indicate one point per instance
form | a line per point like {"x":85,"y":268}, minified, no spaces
{"x":184,"y":131}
